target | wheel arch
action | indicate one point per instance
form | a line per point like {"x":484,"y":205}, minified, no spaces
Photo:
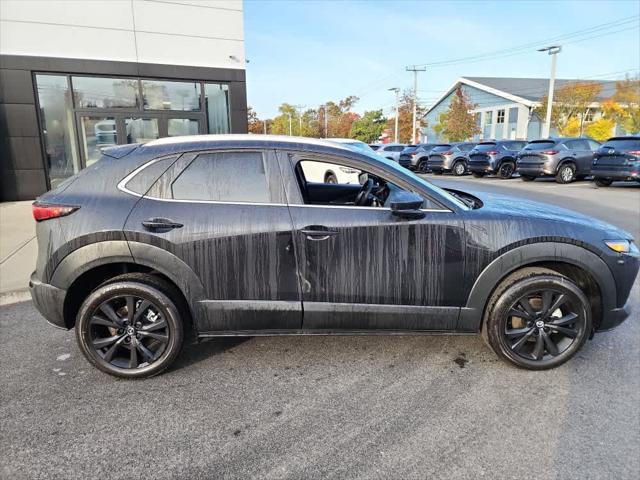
{"x":564,"y":161}
{"x":581,"y":265}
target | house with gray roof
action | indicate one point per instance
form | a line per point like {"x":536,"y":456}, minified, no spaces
{"x":504,"y":107}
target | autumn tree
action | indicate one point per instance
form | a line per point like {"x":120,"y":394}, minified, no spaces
{"x":255,"y":125}
{"x":369,"y":127}
{"x":339,"y":117}
{"x":458,"y":123}
{"x":624,"y":106}
{"x":405,"y":117}
{"x":571,"y":102}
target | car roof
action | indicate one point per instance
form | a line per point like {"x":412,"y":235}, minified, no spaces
{"x":344,"y":140}
{"x":630,"y":137}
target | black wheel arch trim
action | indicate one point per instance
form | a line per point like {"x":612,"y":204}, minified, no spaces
{"x":527,"y":255}
{"x":564,"y":161}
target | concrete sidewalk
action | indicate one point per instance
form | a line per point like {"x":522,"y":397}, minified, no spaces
{"x":18,"y":250}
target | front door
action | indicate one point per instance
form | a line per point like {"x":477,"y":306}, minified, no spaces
{"x":363,"y":268}
{"x":227,"y":219}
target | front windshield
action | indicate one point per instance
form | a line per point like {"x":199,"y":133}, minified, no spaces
{"x":403,"y":172}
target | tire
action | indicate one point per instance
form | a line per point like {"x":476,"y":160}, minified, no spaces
{"x":603,"y":182}
{"x":506,"y":170}
{"x":330,"y":178}
{"x":537,"y":340}
{"x":527,"y":178}
{"x":436,"y":172}
{"x":459,"y":168}
{"x":477,"y":174}
{"x":423,"y":166}
{"x":152,"y":343}
{"x":566,"y":173}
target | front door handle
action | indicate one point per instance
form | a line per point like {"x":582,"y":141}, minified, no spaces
{"x":160,"y":224}
{"x":318,"y":232}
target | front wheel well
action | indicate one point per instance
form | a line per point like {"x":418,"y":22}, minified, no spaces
{"x":88,"y":281}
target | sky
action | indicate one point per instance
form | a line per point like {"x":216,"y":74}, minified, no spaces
{"x":307,"y":52}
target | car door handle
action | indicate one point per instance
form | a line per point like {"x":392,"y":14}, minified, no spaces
{"x":318,"y":232}
{"x":160,"y":224}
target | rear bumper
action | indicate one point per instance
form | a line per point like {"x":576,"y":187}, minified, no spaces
{"x":480,"y":167}
{"x":612,"y":318}
{"x":405,"y":162}
{"x":49,"y":301}
{"x":623,"y":172}
{"x":534,"y":170}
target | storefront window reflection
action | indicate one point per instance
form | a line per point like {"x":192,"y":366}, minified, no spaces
{"x":163,"y":95}
{"x":217,"y":103}
{"x":97,"y":133}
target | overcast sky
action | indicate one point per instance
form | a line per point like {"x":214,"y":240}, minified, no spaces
{"x":308,"y":52}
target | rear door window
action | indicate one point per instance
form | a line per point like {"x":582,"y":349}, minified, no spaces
{"x":540,"y":146}
{"x":485,"y":147}
{"x":441,"y":148}
{"x":515,"y":145}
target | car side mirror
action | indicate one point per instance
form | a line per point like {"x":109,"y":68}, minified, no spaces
{"x":406,"y":205}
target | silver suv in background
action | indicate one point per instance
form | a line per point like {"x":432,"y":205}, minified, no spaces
{"x":391,"y":151}
{"x":564,"y":158}
{"x":495,"y":157}
{"x":450,"y":157}
{"x":415,"y":157}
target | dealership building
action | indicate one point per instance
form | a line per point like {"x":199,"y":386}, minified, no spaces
{"x":76,"y":77}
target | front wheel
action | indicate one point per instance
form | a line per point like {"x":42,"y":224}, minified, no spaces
{"x":603,"y":182}
{"x":566,"y":173}
{"x":330,"y":178}
{"x":131,"y":326}
{"x":537,"y":319}
{"x":423,"y":166}
{"x":459,"y":169}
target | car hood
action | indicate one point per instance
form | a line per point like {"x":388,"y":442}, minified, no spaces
{"x":538,"y":211}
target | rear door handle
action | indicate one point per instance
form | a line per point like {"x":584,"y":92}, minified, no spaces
{"x":160,"y":224}
{"x":318,"y":232}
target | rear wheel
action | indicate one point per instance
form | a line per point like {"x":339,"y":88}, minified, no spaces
{"x":131,"y":326}
{"x":603,"y":182}
{"x":506,"y":170}
{"x":478,"y":174}
{"x":566,"y":173}
{"x":423,"y":166}
{"x":527,"y":178}
{"x":330,"y":178}
{"x":459,"y":169}
{"x":537,"y":319}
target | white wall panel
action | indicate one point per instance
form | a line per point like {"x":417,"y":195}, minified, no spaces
{"x":198,"y":21}
{"x":227,"y":4}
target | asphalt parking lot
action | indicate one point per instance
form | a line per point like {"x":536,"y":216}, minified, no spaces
{"x":331,"y":407}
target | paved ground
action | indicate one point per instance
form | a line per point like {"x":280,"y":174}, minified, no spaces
{"x":343,"y":407}
{"x":18,"y":247}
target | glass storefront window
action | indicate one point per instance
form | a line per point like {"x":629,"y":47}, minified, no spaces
{"x":141,"y":130}
{"x":182,"y":126}
{"x":56,"y":113}
{"x":164,"y":95}
{"x":97,"y":133}
{"x":98,"y":92}
{"x":216,"y":98}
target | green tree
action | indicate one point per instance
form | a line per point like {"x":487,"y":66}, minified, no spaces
{"x":369,"y":127}
{"x":624,"y":105}
{"x":441,"y":125}
{"x":458,"y":123}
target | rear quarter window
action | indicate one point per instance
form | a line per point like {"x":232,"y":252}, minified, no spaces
{"x":142,"y":181}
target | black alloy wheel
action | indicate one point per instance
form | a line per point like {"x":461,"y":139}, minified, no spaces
{"x":506,"y":170}
{"x":423,"y":166}
{"x":539,"y":321}
{"x":130,"y":327}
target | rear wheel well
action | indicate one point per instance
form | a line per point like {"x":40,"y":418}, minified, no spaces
{"x":92,"y":279}
{"x":583,"y":279}
{"x":564,"y":161}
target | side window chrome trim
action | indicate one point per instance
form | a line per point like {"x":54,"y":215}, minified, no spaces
{"x":122,"y":185}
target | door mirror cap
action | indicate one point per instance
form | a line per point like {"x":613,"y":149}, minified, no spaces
{"x":407,"y":205}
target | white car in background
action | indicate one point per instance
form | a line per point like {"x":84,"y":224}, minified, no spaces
{"x":391,"y":151}
{"x":321,"y":172}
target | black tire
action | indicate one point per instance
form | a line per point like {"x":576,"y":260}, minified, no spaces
{"x":436,"y":172}
{"x":156,"y":336}
{"x":537,"y":340}
{"x":330,"y":178}
{"x":527,"y":178}
{"x":603,"y":182}
{"x":566,"y":173}
{"x":459,"y":168}
{"x":477,"y":174}
{"x":423,"y":166}
{"x":506,"y":170}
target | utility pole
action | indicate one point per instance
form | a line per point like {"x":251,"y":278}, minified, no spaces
{"x":265,"y":126}
{"x":326,"y":122}
{"x":299,"y":110}
{"x":553,"y":50}
{"x":395,"y":132}
{"x":290,"y":129}
{"x":415,"y":71}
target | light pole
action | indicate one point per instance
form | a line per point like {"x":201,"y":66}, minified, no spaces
{"x":395,"y":133}
{"x":415,"y":71}
{"x":326,"y":122}
{"x":552,"y":50}
{"x":290,"y":129}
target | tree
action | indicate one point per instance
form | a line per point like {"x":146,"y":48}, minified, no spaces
{"x":369,"y":127}
{"x":255,"y":125}
{"x":624,"y":106}
{"x":571,"y":101}
{"x":600,"y":129}
{"x":458,"y":123}
{"x":339,"y":117}
{"x":405,"y":117}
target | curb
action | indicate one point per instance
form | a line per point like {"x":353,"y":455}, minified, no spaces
{"x":17,"y":296}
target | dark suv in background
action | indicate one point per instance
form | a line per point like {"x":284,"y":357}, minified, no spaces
{"x":415,"y":157}
{"x":495,"y":157}
{"x":617,"y":159}
{"x":450,"y":157}
{"x":564,"y":158}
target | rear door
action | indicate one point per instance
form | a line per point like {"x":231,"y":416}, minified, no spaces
{"x":224,"y":214}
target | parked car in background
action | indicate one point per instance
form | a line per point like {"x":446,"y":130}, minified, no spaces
{"x":352,"y":143}
{"x":450,"y":157}
{"x":391,"y":151}
{"x":495,"y":157}
{"x":415,"y":157}
{"x":617,"y":159}
{"x":564,"y":158}
{"x":206,"y":236}
{"x":374,"y":146}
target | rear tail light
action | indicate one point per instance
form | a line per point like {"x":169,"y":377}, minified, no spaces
{"x":492,"y":152}
{"x":447,"y":153}
{"x":549,"y":152}
{"x":45,"y":211}
{"x":635,"y":152}
{"x":413,"y":154}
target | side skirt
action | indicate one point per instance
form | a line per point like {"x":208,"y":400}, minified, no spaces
{"x":278,"y":333}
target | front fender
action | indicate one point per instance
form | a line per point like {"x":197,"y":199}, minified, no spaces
{"x":526,"y":255}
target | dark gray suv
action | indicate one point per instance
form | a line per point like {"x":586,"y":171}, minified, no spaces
{"x":564,"y":158}
{"x":495,"y":157}
{"x":450,"y":157}
{"x":415,"y":157}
